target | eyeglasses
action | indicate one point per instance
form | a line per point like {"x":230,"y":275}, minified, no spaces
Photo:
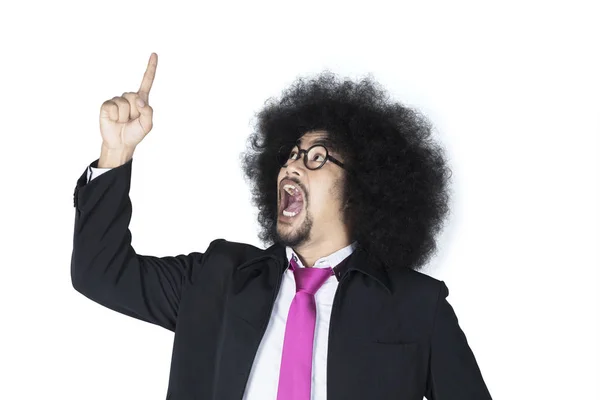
{"x":314,"y":158}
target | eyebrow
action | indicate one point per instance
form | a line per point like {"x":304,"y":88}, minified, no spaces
{"x":324,"y":141}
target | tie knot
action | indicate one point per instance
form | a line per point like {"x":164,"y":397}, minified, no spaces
{"x":310,"y":279}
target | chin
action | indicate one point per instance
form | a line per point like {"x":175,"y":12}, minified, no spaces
{"x":293,"y":231}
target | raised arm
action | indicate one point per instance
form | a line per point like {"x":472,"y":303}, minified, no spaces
{"x":104,"y":265}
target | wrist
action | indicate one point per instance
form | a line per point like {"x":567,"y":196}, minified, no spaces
{"x":114,"y":157}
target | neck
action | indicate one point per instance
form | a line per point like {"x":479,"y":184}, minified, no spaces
{"x":310,"y":252}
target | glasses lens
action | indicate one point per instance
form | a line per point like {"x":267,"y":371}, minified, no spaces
{"x":316,"y":157}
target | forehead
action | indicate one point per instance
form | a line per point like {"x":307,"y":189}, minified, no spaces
{"x":314,"y":137}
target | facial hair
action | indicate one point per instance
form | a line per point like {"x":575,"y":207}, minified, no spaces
{"x":297,"y":236}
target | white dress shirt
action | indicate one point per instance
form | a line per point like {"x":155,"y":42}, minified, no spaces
{"x":264,"y":375}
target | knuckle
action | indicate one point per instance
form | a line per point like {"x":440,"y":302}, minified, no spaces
{"x":109,"y":106}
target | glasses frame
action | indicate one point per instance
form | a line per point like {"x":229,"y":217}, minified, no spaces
{"x":305,"y":156}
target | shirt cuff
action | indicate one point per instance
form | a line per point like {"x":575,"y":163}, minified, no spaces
{"x":95,"y":172}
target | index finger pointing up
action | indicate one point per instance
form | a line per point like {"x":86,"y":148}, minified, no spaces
{"x":146,"y":85}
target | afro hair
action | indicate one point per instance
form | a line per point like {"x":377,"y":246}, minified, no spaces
{"x":396,"y":188}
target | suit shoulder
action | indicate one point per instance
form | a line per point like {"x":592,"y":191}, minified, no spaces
{"x":222,"y":256}
{"x":437,"y":285}
{"x":235,"y":251}
{"x":418,"y":285}
{"x":419,"y":279}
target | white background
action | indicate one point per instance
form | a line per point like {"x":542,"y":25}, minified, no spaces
{"x":512,"y":89}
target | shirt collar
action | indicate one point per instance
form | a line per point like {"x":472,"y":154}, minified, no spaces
{"x":328,"y":261}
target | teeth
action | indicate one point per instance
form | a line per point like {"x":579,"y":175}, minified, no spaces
{"x":291,"y":189}
{"x":289,"y":214}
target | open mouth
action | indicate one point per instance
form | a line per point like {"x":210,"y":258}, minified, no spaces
{"x":292,"y":201}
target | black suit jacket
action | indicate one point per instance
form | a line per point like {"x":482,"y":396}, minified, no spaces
{"x":393,"y":335}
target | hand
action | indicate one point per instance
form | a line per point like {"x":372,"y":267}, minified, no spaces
{"x":125,"y":120}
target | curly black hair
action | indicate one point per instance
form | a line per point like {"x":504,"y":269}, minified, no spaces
{"x":396,"y":189}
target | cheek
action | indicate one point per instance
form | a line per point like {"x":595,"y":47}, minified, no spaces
{"x":321,"y":199}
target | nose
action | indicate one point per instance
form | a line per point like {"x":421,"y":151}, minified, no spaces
{"x":296,"y":166}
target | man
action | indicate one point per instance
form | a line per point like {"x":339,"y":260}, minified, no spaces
{"x":351,"y":194}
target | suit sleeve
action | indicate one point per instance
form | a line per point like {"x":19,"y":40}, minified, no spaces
{"x":453,"y":370}
{"x":105,"y":267}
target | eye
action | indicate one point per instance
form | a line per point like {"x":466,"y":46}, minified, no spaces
{"x":317,"y":154}
{"x":293,"y":155}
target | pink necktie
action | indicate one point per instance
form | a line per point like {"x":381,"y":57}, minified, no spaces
{"x":295,"y":375}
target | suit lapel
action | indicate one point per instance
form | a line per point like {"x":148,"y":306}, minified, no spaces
{"x":252,"y":292}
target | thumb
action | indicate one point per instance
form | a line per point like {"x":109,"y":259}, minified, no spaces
{"x":145,"y":117}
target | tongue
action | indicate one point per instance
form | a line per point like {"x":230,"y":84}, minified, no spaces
{"x":295,"y":204}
